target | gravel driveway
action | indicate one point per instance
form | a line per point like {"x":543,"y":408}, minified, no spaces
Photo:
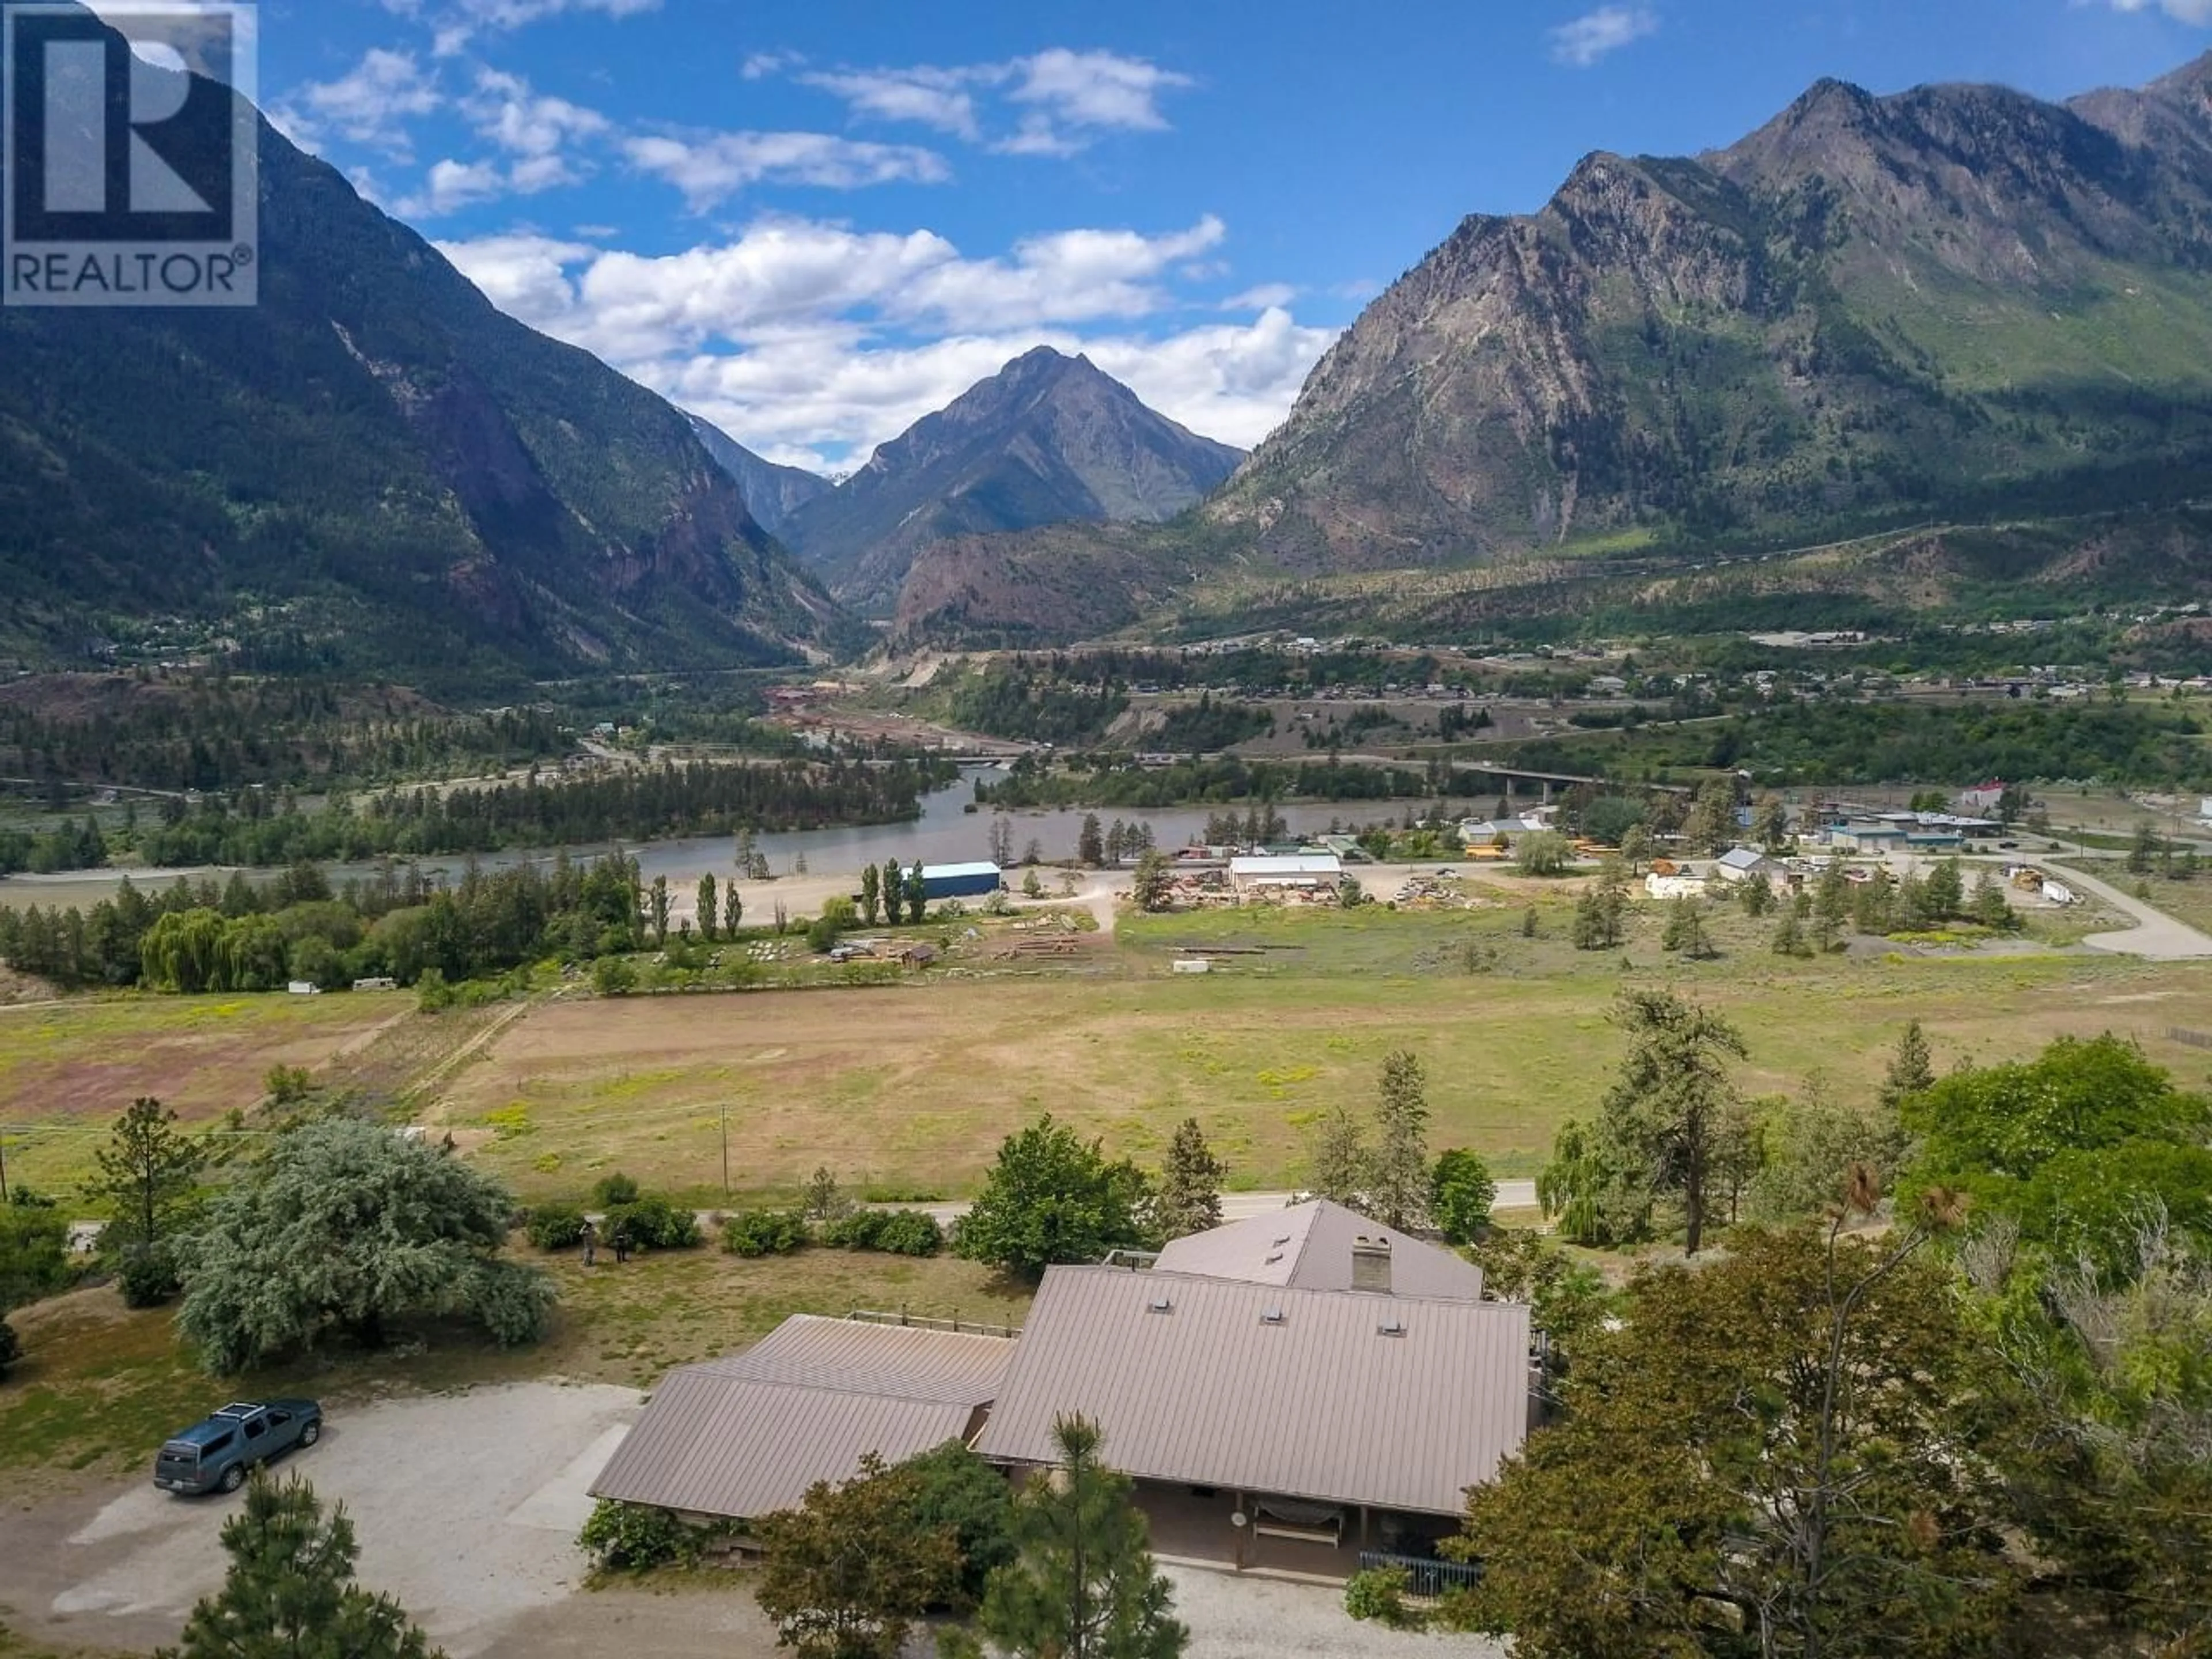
{"x":466,"y":1507}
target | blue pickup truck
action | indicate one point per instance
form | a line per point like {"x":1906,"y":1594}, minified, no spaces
{"x":216,"y":1454}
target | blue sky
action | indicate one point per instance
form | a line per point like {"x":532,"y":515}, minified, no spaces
{"x":815,"y":223}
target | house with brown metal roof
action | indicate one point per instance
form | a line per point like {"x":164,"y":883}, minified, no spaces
{"x":1320,"y":1245}
{"x":1251,"y":1413}
{"x":746,"y":1435}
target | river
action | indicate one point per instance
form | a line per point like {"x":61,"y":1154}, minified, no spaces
{"x":945,"y":833}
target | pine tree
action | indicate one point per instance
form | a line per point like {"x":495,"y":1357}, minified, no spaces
{"x":1340,"y":1159}
{"x":290,"y":1592}
{"x":1189,"y":1199}
{"x":148,"y":1172}
{"x":1082,"y":1584}
{"x":1686,"y":930}
{"x":1400,"y":1175}
{"x":1089,"y":842}
{"x":1789,"y":936}
{"x":1912,"y":1070}
{"x":1150,"y":887}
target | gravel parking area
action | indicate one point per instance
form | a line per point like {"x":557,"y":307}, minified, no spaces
{"x":466,"y":1507}
{"x":1233,"y":1617}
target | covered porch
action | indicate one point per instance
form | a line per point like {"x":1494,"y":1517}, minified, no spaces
{"x":1279,"y":1537}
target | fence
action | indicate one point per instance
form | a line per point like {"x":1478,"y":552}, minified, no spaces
{"x":924,"y":1321}
{"x":2194,"y":1039}
{"x":1426,"y":1579}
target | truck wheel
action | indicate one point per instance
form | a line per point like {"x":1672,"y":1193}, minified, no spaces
{"x":234,"y":1477}
{"x":311,"y":1434}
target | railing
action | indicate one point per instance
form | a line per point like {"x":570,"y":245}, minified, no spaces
{"x":924,"y":1321}
{"x":1426,"y":1579}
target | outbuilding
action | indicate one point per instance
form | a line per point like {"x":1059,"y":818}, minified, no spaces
{"x":1746,"y":864}
{"x":1285,"y":872}
{"x":944,"y":881}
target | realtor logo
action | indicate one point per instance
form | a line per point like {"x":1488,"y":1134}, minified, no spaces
{"x":132,"y":153}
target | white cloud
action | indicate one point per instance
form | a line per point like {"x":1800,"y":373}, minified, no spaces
{"x":522,"y":122}
{"x":713,"y":168}
{"x":1059,"y":100}
{"x":457,"y":22}
{"x":369,"y":105}
{"x":813,"y":342}
{"x":1266,"y":297}
{"x":452,"y":185}
{"x":760,"y":64}
{"x":1096,"y":89}
{"x":932,"y":97}
{"x":1590,"y":37}
{"x":2199,"y":12}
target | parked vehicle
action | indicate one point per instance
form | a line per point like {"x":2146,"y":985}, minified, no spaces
{"x":216,"y":1454}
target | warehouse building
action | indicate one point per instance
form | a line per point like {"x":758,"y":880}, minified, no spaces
{"x":1280,"y":873}
{"x":945,"y":881}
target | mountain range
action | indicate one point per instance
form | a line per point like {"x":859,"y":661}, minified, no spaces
{"x":773,"y":492}
{"x":1958,"y":304}
{"x":372,"y":471}
{"x":1048,"y":439}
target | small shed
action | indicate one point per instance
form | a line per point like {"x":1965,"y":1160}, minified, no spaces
{"x":1745,"y":864}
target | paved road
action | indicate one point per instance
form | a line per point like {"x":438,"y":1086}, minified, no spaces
{"x":1243,"y":1206}
{"x":2155,"y":934}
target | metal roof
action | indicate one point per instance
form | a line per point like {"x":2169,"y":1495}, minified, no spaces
{"x":730,"y":1446}
{"x":1288,"y":864}
{"x":1309,"y":1245}
{"x":1742,"y":858}
{"x":862,"y":1357}
{"x":749,"y":1433}
{"x":1270,"y":1389}
{"x":948,"y":871}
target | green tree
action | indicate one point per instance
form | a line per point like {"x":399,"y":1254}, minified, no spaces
{"x":1790,"y":937}
{"x":33,"y":1248}
{"x":1911,"y":1069}
{"x":659,"y":903}
{"x":894,"y":881}
{"x":1667,"y":1109}
{"x":1151,"y":885}
{"x":1712,"y":828}
{"x":1082,"y":1584}
{"x":1542,"y":852}
{"x":1091,"y":842}
{"x":1946,"y":891}
{"x":1033,"y":883}
{"x":290,"y":1592}
{"x":614,"y":976}
{"x":1339,"y":1164}
{"x":1770,"y":823}
{"x":1686,"y":929}
{"x":872,"y":895}
{"x":11,"y":1347}
{"x":344,"y":1225}
{"x":1809,"y":1145}
{"x":733,"y":909}
{"x":917,"y":893}
{"x":838,"y":918}
{"x":2142,"y":852}
{"x":846,"y":1574}
{"x":149,"y":1175}
{"x":1189,"y":1200}
{"x":1635,"y":847}
{"x":709,"y":906}
{"x":1778,"y":1455}
{"x":1831,"y":899}
{"x":1399,"y":1171}
{"x":1051,"y":1197}
{"x":954,"y":1488}
{"x":1757,"y":895}
{"x":1461,"y":1192}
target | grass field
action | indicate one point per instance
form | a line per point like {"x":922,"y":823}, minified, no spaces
{"x":912,"y":1087}
{"x":68,"y":1070}
{"x":99,"y":1387}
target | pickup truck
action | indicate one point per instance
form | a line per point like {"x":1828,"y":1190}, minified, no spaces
{"x":216,"y":1453}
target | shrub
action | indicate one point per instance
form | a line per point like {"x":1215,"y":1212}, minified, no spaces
{"x":555,"y":1226}
{"x":1379,"y":1594}
{"x":653,"y":1224}
{"x":147,"y":1276}
{"x":898,"y":1232}
{"x":764,"y":1232}
{"x":613,"y":977}
{"x":616,"y":1188}
{"x":955,"y":1488}
{"x":633,"y":1537}
{"x":11,"y":1346}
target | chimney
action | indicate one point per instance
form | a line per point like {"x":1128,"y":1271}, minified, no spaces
{"x":1371,"y":1265}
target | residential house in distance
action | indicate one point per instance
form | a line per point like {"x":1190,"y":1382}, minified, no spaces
{"x":1741,"y":863}
{"x":1981,"y":799}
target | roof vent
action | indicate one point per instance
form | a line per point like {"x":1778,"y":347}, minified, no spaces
{"x":1271,"y":1315}
{"x":1162,"y":1304}
{"x":1284,"y":1240}
{"x":1273,"y":1256}
{"x":1391,"y":1327}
